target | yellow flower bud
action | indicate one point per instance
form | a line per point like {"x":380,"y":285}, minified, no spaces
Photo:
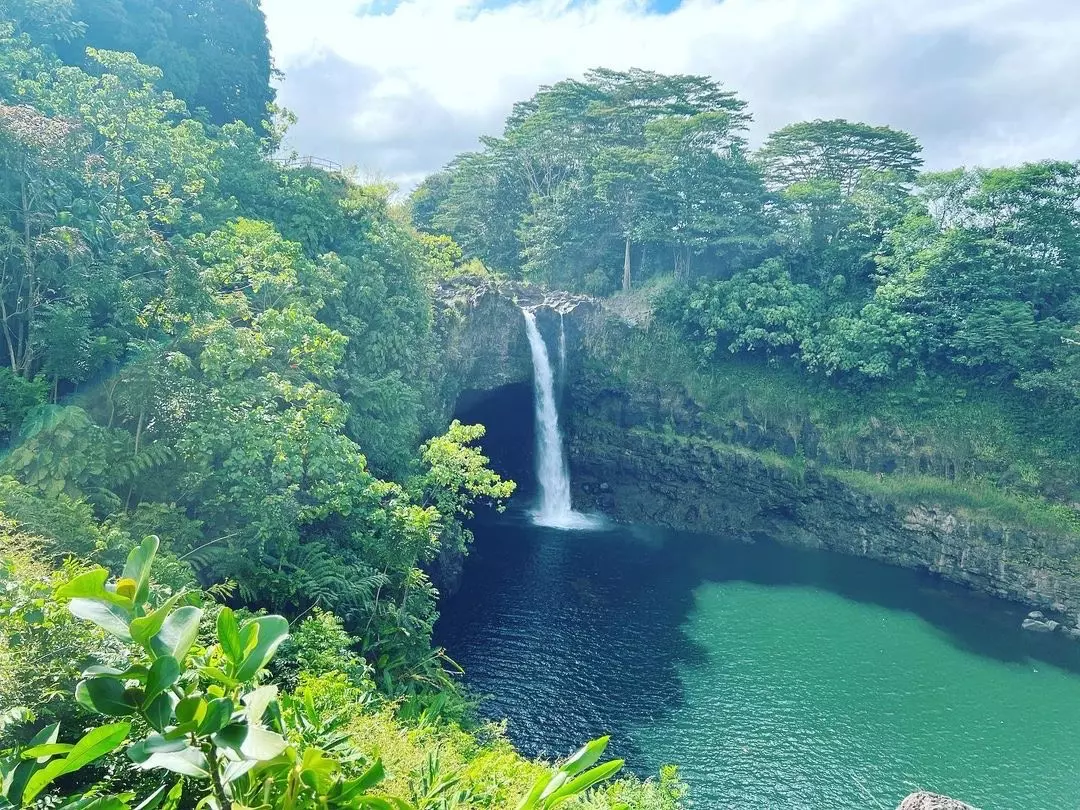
{"x":127,"y":587}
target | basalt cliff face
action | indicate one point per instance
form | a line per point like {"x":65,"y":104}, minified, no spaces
{"x":645,"y":455}
{"x":482,"y":333}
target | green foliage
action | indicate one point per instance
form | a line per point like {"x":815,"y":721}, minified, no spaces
{"x":456,"y":475}
{"x":207,"y":718}
{"x":759,"y":310}
{"x":18,"y":397}
{"x":317,"y":646}
{"x":838,"y":151}
{"x":988,"y":454}
{"x":42,"y":646}
{"x":201,"y":715}
{"x":592,"y":177}
{"x":214,"y":54}
{"x":574,"y":776}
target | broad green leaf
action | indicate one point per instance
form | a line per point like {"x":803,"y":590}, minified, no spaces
{"x":585,"y":756}
{"x":228,"y":633}
{"x":109,"y":616}
{"x":584,"y":781}
{"x":232,"y":736}
{"x":215,"y":674}
{"x":154,"y":800}
{"x":172,"y":801}
{"x":92,"y":746}
{"x":188,"y":762}
{"x":15,"y":782}
{"x":135,"y":671}
{"x":138,"y":567}
{"x":371,"y":777}
{"x":531,"y":799}
{"x":263,"y":744}
{"x":159,"y":713}
{"x":43,"y":752}
{"x":191,"y":710}
{"x":555,"y":781}
{"x":178,"y":632}
{"x":344,"y":792}
{"x":164,"y":672}
{"x":146,"y":627}
{"x":47,"y":736}
{"x":154,"y":744}
{"x":218,"y":713}
{"x":249,"y":637}
{"x":106,"y":696}
{"x":164,"y":797}
{"x":250,"y":742}
{"x":272,"y":631}
{"x":91,"y":585}
{"x":96,"y":803}
{"x":257,"y":701}
{"x":237,"y":768}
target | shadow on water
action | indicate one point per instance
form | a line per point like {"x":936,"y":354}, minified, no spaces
{"x":569,"y":635}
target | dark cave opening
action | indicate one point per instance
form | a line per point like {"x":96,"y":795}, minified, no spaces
{"x":510,"y":441}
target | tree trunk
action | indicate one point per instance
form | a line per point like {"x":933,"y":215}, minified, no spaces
{"x":626,"y":268}
{"x":682,"y":262}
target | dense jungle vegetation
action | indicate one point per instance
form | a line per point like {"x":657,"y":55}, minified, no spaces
{"x":226,"y":473}
{"x":217,"y":391}
{"x":914,"y":325}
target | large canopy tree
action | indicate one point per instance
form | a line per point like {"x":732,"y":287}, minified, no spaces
{"x":837,"y":151}
{"x":591,"y":173}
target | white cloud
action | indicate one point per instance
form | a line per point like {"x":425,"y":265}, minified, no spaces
{"x":401,"y":92}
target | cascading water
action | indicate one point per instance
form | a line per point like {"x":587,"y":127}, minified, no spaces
{"x":562,"y":350}
{"x":554,"y":509}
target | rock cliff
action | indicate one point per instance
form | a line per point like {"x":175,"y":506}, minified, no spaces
{"x":482,"y":335}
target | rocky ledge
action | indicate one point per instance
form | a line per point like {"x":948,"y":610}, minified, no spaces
{"x":931,"y":801}
{"x":482,"y":333}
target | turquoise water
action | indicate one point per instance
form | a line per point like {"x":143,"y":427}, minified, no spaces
{"x":775,"y":678}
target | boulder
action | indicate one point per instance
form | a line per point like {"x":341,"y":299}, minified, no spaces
{"x":931,"y":801}
{"x":1037,"y":626}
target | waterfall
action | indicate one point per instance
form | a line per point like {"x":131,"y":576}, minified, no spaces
{"x":562,"y":350}
{"x":554,"y":509}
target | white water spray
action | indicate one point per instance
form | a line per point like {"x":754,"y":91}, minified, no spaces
{"x":562,"y":350}
{"x":554,"y":509}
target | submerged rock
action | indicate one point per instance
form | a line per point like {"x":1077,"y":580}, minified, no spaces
{"x":1039,"y":626}
{"x":931,"y":801}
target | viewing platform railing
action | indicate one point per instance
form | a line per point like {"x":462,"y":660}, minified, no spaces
{"x":308,"y":162}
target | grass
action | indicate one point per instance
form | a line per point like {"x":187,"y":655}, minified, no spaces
{"x":975,"y":499}
{"x":487,"y":765}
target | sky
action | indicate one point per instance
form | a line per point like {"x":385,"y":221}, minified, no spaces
{"x":396,"y":88}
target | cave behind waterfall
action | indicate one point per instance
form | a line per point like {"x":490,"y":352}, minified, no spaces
{"x":510,"y":442}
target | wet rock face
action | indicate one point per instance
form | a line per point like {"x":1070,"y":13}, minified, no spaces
{"x":931,"y":801}
{"x":482,"y":332}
